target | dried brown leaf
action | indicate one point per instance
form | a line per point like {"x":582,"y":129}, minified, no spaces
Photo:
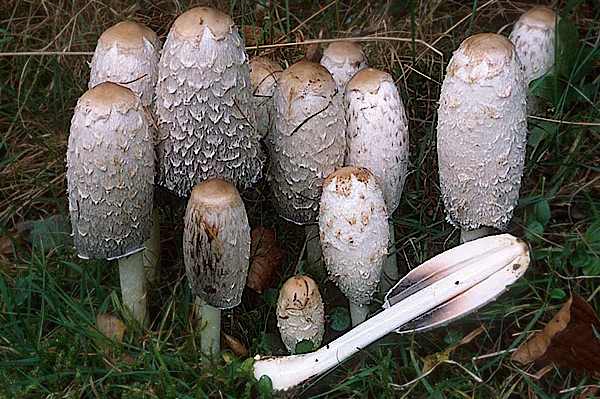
{"x":236,"y":346}
{"x":265,"y":256}
{"x":567,"y":340}
{"x":111,"y":326}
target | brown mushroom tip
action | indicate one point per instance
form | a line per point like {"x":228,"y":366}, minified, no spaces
{"x":344,"y":175}
{"x":300,"y":288}
{"x":107,"y":95}
{"x":307,"y":74}
{"x":127,"y":35}
{"x":541,"y":16}
{"x":261,"y":69}
{"x":191,"y":23}
{"x":368,"y":79}
{"x":215,"y":193}
{"x":490,"y":46}
{"x":339,"y":51}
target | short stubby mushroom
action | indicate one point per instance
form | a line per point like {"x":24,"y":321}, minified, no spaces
{"x":481,"y":134}
{"x":264,"y":75}
{"x":343,"y":60}
{"x":300,"y":312}
{"x":308,"y":141}
{"x":204,"y":105}
{"x":533,"y":36}
{"x":216,"y":252}
{"x":127,"y":54}
{"x":110,"y":174}
{"x":353,"y":227}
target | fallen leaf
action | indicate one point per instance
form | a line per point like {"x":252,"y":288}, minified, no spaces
{"x":111,"y":326}
{"x":46,"y":233}
{"x":7,"y":243}
{"x":570,"y":339}
{"x":236,"y":346}
{"x":265,"y":254}
{"x":314,"y":52}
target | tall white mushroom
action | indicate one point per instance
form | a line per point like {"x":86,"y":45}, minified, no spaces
{"x":353,"y":227}
{"x":343,"y":60}
{"x":533,"y":36}
{"x":307,"y":143}
{"x":481,"y":134}
{"x":264,"y":75}
{"x":377,"y":137}
{"x":300,"y":312}
{"x":204,"y":105}
{"x":110,"y":174}
{"x":127,"y":54}
{"x":216,"y":253}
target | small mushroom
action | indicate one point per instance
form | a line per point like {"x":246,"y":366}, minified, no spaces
{"x":216,"y":253}
{"x":264,"y":75}
{"x":533,"y":36}
{"x":377,"y":137}
{"x":204,"y":105}
{"x":343,"y":60}
{"x":110,"y":174}
{"x":481,"y":135}
{"x":353,"y":227}
{"x":300,"y":312}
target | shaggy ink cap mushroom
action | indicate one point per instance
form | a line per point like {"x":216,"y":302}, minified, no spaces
{"x":300,"y":312}
{"x":127,"y":54}
{"x":481,"y":133}
{"x":533,"y":36}
{"x":216,"y":243}
{"x":110,"y":173}
{"x":264,"y":75}
{"x":343,"y":59}
{"x":308,"y":140}
{"x":204,"y":105}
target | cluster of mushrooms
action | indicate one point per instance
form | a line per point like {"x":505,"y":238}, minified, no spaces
{"x":196,"y":116}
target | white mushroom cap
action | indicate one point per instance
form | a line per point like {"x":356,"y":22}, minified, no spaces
{"x":481,"y":133}
{"x":533,"y":37}
{"x":300,"y":312}
{"x":216,"y":243}
{"x":110,"y":173}
{"x":264,"y":75}
{"x":125,"y":53}
{"x":204,"y":105}
{"x":377,"y":132}
{"x":308,"y":140}
{"x":343,"y":60}
{"x":353,"y":227}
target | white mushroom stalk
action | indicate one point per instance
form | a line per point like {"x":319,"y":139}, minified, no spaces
{"x":216,"y":253}
{"x":533,"y":36}
{"x":353,"y":227}
{"x":377,"y":137}
{"x":264,"y":75}
{"x":343,"y":60}
{"x":204,"y":105}
{"x":481,"y":135}
{"x":300,"y":312}
{"x":492,"y":263}
{"x":110,"y":174}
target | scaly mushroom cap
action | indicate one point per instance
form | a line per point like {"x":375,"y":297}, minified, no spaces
{"x":110,"y":171}
{"x":533,"y":37}
{"x":204,"y":105}
{"x":353,"y":227}
{"x":343,"y":60}
{"x":300,"y":312}
{"x":127,"y":52}
{"x":482,"y":132}
{"x":308,"y":140}
{"x":216,"y":243}
{"x":264,"y":75}
{"x":377,"y":132}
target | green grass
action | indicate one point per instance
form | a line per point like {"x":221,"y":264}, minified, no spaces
{"x":49,"y":343}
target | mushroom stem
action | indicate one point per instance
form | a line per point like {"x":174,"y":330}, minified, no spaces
{"x":358,"y":313}
{"x":495,"y":263}
{"x":210,"y":336}
{"x":133,"y":285}
{"x":152,"y":251}
{"x":313,"y":245}
{"x":390,"y":274}
{"x":470,"y":235}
